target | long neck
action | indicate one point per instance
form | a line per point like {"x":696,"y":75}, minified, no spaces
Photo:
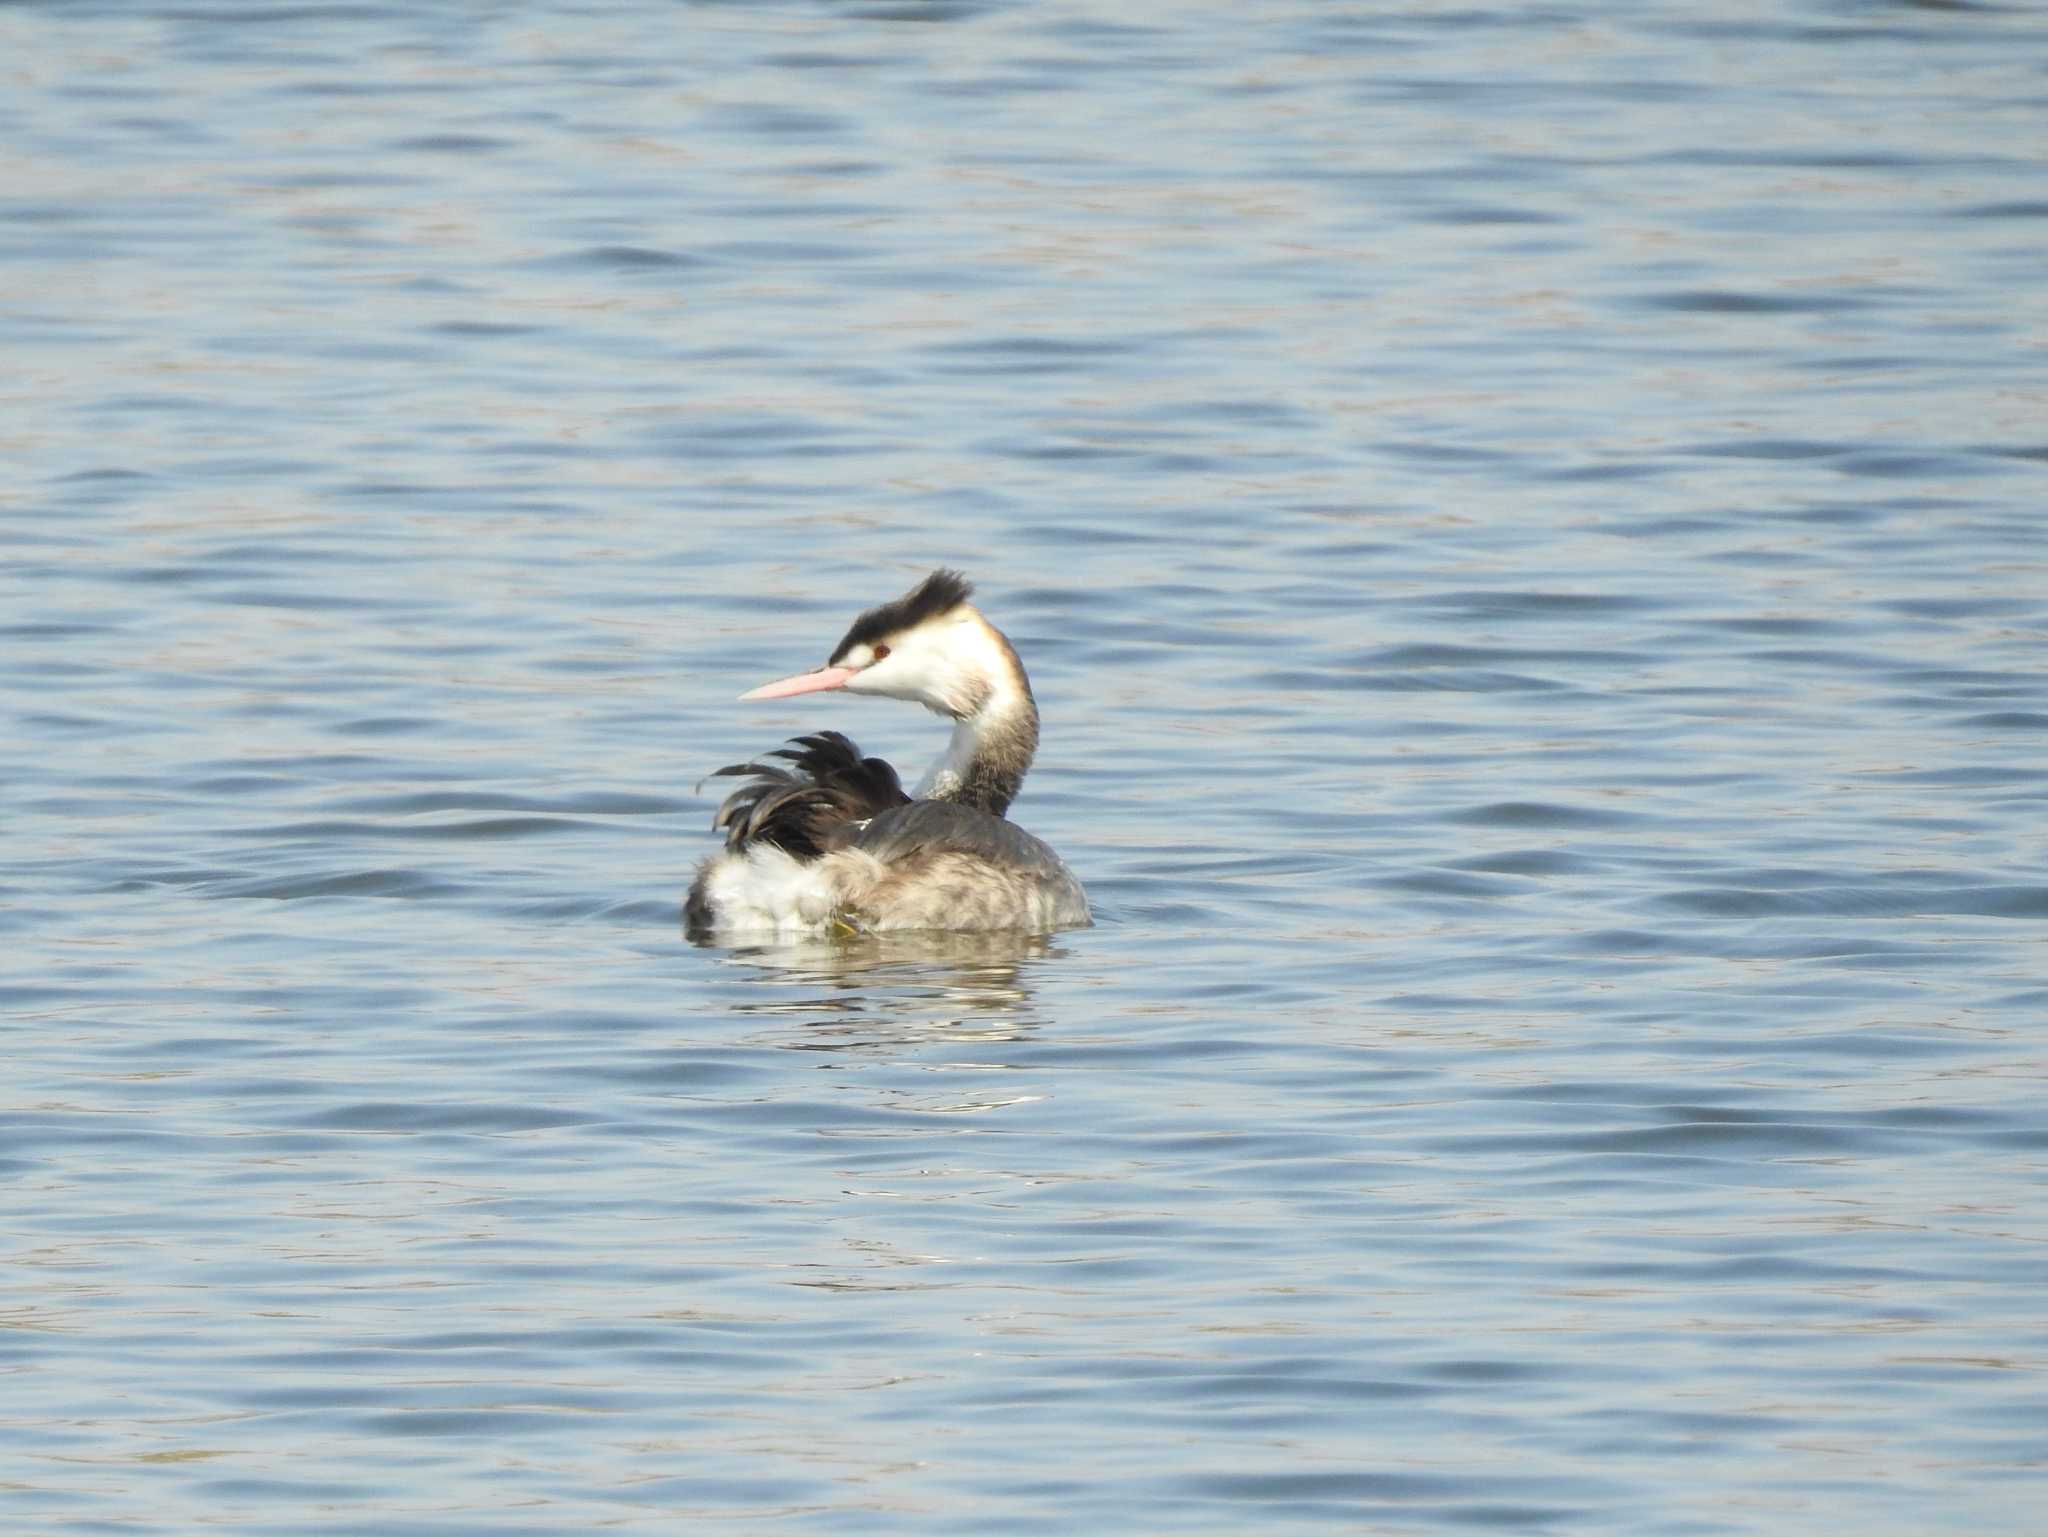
{"x":991,"y":750}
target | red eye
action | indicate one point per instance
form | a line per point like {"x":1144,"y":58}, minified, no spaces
{"x":881,"y":653}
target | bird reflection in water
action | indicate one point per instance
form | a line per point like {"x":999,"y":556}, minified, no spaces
{"x":867,"y":991}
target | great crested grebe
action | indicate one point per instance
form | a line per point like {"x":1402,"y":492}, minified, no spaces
{"x":832,"y":844}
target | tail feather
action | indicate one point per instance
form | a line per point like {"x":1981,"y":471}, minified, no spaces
{"x":812,"y":808}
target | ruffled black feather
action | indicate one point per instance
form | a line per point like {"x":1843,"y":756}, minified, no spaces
{"x":817,"y":805}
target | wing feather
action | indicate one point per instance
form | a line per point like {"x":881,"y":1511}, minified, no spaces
{"x":921,"y":827}
{"x":814,"y":806}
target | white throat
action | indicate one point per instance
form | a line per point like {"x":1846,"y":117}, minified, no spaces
{"x":942,"y":781}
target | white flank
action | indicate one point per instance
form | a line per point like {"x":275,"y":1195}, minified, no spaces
{"x":765,"y":888}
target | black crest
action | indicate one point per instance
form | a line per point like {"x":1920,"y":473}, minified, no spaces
{"x":943,"y":590}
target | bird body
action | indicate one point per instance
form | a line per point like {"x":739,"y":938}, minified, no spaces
{"x":831,"y":842}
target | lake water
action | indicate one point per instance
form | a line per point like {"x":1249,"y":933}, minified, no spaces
{"x":1527,"y":528}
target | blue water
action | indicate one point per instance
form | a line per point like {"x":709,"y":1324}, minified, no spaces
{"x":1526,"y":526}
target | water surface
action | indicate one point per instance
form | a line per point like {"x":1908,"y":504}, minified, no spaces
{"x":1525,"y":528}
